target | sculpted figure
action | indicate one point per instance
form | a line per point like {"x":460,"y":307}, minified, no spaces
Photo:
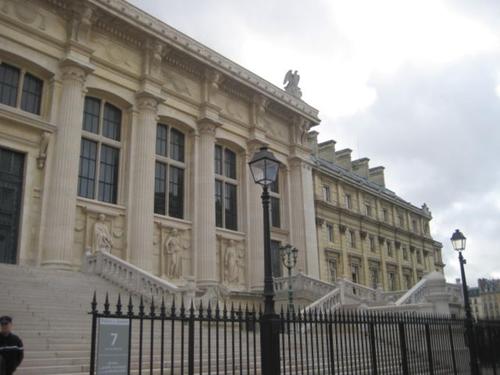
{"x":291,"y":83}
{"x":172,"y":251}
{"x":231,"y":263}
{"x":102,"y":236}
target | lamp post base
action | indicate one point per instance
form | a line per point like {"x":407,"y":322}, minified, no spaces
{"x":270,"y":344}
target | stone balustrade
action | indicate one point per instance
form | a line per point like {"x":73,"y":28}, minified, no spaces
{"x":133,"y":279}
{"x":327,"y":303}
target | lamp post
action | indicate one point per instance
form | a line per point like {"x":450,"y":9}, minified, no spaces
{"x":289,"y":258}
{"x":458,"y":241}
{"x":264,"y":167}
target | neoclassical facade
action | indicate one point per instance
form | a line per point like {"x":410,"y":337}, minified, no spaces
{"x":120,"y":134}
{"x":366,"y":233}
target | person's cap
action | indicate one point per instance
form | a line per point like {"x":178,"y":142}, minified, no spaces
{"x":5,"y":319}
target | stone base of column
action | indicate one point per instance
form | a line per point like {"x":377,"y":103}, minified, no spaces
{"x":57,"y":265}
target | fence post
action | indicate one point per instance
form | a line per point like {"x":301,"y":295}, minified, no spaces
{"x":492,"y":346}
{"x":191,"y":340}
{"x":330,"y":339}
{"x":372,"y":346}
{"x":429,"y":348}
{"x":402,"y":343}
{"x":452,"y":345}
{"x":94,"y":333}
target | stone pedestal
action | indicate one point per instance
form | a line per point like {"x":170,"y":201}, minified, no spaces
{"x":141,"y":214}
{"x":60,"y":211}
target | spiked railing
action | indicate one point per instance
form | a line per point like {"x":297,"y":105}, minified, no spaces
{"x":221,"y":339}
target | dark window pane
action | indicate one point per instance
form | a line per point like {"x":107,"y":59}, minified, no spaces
{"x":86,"y":174}
{"x":229,"y":164}
{"x":9,"y":83}
{"x":218,"y":160}
{"x":275,"y":259}
{"x":108,"y":174}
{"x":32,"y":94}
{"x":91,"y":114}
{"x":112,"y":122}
{"x":218,"y":203}
{"x":161,"y":140}
{"x":176,"y":145}
{"x":176,"y":193}
{"x":230,"y":203}
{"x":160,"y":188}
{"x":275,"y":212}
{"x":274,"y":187}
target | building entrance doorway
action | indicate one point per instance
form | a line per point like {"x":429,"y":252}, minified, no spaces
{"x":11,"y":187}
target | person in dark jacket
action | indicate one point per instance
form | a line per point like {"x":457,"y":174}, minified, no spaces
{"x":11,"y":347}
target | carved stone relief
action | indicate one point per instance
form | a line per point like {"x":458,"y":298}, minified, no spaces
{"x":174,"y":253}
{"x":114,"y":52}
{"x":25,"y":11}
{"x":232,"y":262}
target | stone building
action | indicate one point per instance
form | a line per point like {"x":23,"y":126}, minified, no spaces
{"x":485,"y":299}
{"x":366,"y":233}
{"x":120,"y":134}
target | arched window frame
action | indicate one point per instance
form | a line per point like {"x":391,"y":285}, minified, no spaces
{"x":166,"y":163}
{"x":101,"y":141}
{"x":24,"y":94}
{"x":226,"y":187}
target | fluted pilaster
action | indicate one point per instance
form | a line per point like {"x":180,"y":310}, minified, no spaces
{"x":303,"y":217}
{"x":141,"y":215}
{"x":62,"y":188}
{"x":204,"y":225}
{"x":255,"y":229}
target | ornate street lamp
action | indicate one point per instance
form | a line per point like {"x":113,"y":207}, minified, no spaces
{"x":264,"y":167}
{"x":289,"y":258}
{"x":458,"y":242}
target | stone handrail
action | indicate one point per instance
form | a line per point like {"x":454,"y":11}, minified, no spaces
{"x":302,"y":282}
{"x":413,"y":295}
{"x":358,"y":291}
{"x":132,"y":278}
{"x":327,"y":303}
{"x":393,"y":296}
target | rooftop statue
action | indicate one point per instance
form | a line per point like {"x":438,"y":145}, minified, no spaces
{"x":291,"y":83}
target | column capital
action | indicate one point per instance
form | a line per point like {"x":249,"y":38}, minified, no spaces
{"x":147,"y":102}
{"x":73,"y":70}
{"x":207,"y":127}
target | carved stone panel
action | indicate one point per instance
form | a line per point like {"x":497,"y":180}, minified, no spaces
{"x":116,"y":53}
{"x":172,"y":253}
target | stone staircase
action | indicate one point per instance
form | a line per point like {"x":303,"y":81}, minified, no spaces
{"x":50,"y":312}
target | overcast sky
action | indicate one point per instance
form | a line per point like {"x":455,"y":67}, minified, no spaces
{"x":412,"y":85}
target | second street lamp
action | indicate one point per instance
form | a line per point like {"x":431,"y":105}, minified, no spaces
{"x":264,"y":167}
{"x":458,"y":242}
{"x":289,"y":258}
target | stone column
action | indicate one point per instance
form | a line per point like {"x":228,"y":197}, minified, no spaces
{"x":57,"y":250}
{"x":383,"y":265}
{"x":303,"y":233}
{"x":141,"y":212}
{"x":204,"y":225}
{"x":255,"y":238}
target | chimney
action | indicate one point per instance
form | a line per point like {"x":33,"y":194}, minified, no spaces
{"x":360,"y":167}
{"x":312,"y":139}
{"x":376,"y":175}
{"x":327,"y":150}
{"x":343,"y":158}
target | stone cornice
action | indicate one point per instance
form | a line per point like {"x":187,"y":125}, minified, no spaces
{"x":156,"y":28}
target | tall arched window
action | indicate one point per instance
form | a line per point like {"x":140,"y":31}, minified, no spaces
{"x":226,"y":188}
{"x":100,"y":151}
{"x":20,"y":89}
{"x":169,"y":171}
{"x":274,"y":192}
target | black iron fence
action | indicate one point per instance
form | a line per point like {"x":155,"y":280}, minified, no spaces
{"x":222,"y":339}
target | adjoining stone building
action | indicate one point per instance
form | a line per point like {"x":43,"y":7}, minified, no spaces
{"x":118,"y":133}
{"x":366,"y":233}
{"x":485,"y":299}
